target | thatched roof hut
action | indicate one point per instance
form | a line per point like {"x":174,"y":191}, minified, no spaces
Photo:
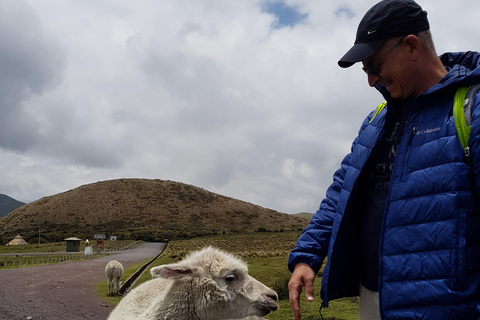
{"x":17,"y":241}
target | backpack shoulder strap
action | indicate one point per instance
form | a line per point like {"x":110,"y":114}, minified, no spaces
{"x":462,"y":114}
{"x":377,"y":111}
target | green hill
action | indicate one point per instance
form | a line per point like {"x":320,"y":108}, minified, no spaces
{"x":141,"y":209}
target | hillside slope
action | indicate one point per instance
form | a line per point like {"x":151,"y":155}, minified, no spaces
{"x":141,"y":208}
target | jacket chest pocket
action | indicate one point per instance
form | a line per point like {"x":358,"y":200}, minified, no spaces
{"x":431,"y":144}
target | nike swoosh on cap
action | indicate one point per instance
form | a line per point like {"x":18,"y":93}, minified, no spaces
{"x":371,"y":31}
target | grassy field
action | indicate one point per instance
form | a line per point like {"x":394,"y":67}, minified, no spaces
{"x":267,"y":256}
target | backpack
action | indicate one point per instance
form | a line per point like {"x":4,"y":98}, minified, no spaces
{"x":462,"y":114}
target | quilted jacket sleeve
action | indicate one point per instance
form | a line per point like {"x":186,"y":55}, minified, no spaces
{"x":312,"y":246}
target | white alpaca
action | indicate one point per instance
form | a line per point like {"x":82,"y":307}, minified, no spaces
{"x":114,"y":273}
{"x":209,"y":284}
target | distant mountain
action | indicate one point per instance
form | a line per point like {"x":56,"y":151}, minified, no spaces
{"x":142,"y":209}
{"x":8,"y":204}
{"x":305,"y":215}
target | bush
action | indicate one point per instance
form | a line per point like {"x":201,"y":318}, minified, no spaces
{"x":281,"y":287}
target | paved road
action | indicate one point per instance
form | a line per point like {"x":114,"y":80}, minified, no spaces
{"x":63,"y":291}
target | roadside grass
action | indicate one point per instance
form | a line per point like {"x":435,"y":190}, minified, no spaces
{"x":101,"y":289}
{"x":266,"y":255}
{"x":42,"y":247}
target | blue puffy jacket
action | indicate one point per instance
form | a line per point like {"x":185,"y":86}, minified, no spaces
{"x":430,"y":238}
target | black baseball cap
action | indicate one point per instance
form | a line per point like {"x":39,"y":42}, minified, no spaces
{"x":385,"y":20}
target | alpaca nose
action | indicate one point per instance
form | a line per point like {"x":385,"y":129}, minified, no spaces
{"x":273,"y":296}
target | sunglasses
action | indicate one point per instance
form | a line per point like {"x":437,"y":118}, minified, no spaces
{"x":372,"y":67}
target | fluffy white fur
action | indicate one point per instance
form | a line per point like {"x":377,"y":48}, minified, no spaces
{"x":114,"y":273}
{"x":209,"y":284}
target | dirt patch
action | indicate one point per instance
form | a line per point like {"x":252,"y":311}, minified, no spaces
{"x":62,"y":291}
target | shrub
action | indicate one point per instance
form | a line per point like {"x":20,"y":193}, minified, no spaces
{"x":281,"y":287}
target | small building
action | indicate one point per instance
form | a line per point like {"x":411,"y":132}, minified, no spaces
{"x":73,"y":244}
{"x":17,"y":241}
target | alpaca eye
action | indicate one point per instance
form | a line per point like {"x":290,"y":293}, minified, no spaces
{"x":231,"y":278}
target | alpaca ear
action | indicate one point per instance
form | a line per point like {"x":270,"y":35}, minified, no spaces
{"x":174,"y":271}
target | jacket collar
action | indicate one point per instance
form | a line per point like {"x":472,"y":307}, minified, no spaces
{"x":463,"y":70}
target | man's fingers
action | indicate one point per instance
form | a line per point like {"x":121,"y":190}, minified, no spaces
{"x":303,"y":276}
{"x":309,"y":291}
{"x":295,"y":289}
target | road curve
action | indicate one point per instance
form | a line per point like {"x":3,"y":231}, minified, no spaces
{"x":63,"y":291}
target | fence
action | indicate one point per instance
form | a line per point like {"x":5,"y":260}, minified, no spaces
{"x":15,"y":261}
{"x":39,"y":260}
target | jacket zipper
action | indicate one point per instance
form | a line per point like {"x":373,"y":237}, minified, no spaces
{"x":412,"y":134}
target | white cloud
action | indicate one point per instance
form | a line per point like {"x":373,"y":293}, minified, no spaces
{"x":208,"y":93}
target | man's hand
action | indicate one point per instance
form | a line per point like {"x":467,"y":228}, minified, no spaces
{"x":303,"y":276}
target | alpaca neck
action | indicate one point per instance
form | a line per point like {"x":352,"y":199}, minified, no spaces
{"x":179,"y":303}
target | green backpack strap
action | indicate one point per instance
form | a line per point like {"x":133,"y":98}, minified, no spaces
{"x":377,"y":111}
{"x":462,"y":114}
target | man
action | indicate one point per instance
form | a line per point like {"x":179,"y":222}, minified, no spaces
{"x":399,"y":225}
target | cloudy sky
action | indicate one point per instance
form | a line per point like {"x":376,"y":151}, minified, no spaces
{"x":239,"y":97}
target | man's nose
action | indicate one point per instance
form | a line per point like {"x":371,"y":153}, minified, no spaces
{"x":372,"y":79}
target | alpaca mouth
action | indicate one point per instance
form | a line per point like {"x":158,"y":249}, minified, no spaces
{"x":268,"y":305}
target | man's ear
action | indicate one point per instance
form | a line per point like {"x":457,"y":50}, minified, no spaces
{"x":413,"y":43}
